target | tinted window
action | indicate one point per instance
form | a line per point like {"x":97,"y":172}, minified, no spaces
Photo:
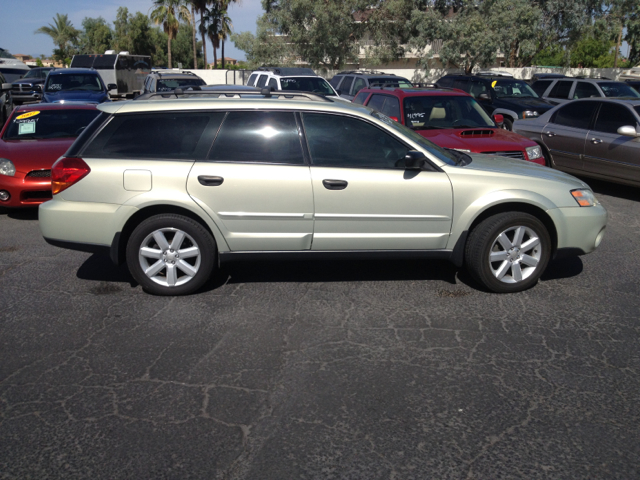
{"x":445,"y":82}
{"x":612,"y":116}
{"x":512,"y":89}
{"x":262,"y":81}
{"x":339,"y":141}
{"x":49,"y":124}
{"x":170,"y":84}
{"x":391,"y":108}
{"x":81,"y":82}
{"x":87,"y":133}
{"x":575,"y":114}
{"x":618,"y":89}
{"x":307,"y":84}
{"x":158,"y":135}
{"x":335,"y":81}
{"x":252,"y":79}
{"x":585,"y":90}
{"x":541,"y":86}
{"x":478,"y":88}
{"x":561,"y":89}
{"x":345,"y":86}
{"x":358,"y":85}
{"x":273,"y":83}
{"x":261,"y":137}
{"x":461,"y":83}
{"x":362,"y":96}
{"x":390,"y":82}
{"x":376,"y":102}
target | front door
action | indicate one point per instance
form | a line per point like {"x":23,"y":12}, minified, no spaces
{"x":363,"y":201}
{"x":255,"y":184}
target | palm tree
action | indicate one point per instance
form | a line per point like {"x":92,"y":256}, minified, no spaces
{"x":210,"y":25}
{"x":63,"y":34}
{"x":200,"y":6}
{"x":224,"y":27}
{"x":169,"y":13}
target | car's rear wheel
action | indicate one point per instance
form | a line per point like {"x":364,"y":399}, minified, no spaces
{"x":171,"y":255}
{"x":508,"y":252}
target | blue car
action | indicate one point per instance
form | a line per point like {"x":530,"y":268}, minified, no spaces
{"x":75,"y":85}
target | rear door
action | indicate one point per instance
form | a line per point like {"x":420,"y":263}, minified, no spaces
{"x":363,"y":201}
{"x":566,"y":133}
{"x":255,"y":184}
{"x":609,"y":153}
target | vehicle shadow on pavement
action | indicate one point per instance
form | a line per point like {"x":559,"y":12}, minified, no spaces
{"x":20,"y":213}
{"x":563,"y":268}
{"x":610,"y":189}
{"x":100,"y":268}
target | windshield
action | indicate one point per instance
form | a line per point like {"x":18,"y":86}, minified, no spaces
{"x":170,"y":84}
{"x":5,"y":54}
{"x":615,"y":89}
{"x":422,"y":113}
{"x":390,"y":82}
{"x":73,"y":81}
{"x":49,"y":124}
{"x":446,"y":156}
{"x":512,"y":89}
{"x":307,"y":84}
{"x":36,"y":74}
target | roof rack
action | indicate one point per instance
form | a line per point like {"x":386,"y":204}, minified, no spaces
{"x":173,"y":72}
{"x":366,"y":72}
{"x":194,"y":92}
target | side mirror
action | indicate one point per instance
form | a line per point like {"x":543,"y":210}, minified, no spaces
{"x":37,"y":87}
{"x":112,"y":86}
{"x":413,"y":160}
{"x":628,"y":131}
{"x":484,"y":96}
{"x":499,"y":119}
{"x":6,"y":86}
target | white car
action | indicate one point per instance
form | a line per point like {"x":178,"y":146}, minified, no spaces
{"x":292,"y":79}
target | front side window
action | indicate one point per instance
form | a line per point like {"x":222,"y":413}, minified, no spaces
{"x":69,"y":82}
{"x":376,"y":102}
{"x":391,"y":108}
{"x":339,"y":141}
{"x":273,"y":83}
{"x":262,"y":80}
{"x":429,"y":112}
{"x":618,"y":89}
{"x":345,"y":86}
{"x":512,"y":89}
{"x":358,"y":85}
{"x":49,"y":124}
{"x":461,"y":83}
{"x":155,"y":136}
{"x":478,"y":87}
{"x":307,"y":84}
{"x":361,"y":97}
{"x":611,"y":117}
{"x":575,"y":114}
{"x":445,"y":82}
{"x":258,"y":137}
{"x":561,"y":89}
{"x":335,"y":81}
{"x":252,"y":79}
{"x":585,"y":90}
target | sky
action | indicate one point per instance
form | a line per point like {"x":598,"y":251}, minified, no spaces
{"x":19,"y":20}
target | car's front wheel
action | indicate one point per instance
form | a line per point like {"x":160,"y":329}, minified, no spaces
{"x":171,"y":255}
{"x":508,"y":252}
{"x":507,"y":124}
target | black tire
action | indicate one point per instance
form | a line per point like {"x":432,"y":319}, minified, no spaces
{"x":166,"y":259}
{"x":483,"y":242}
{"x":547,"y":157}
{"x":508,"y":124}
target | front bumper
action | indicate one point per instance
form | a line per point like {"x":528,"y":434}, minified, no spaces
{"x":25,"y":191}
{"x":579,"y":229}
{"x":26,"y":97}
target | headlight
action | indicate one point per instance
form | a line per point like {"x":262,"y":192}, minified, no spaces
{"x":584,"y":197}
{"x":7,"y":167}
{"x":534,"y":152}
{"x":530,"y":114}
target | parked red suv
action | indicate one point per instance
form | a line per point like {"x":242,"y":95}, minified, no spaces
{"x":450,"y":118}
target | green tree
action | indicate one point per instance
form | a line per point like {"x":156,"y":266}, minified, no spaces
{"x":168,"y":13}
{"x":224,"y":27}
{"x":182,"y":47}
{"x":96,"y":37}
{"x":64,"y":35}
{"x":201,"y":7}
{"x":265,"y":48}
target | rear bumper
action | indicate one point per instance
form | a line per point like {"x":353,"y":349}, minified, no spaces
{"x":25,"y":191}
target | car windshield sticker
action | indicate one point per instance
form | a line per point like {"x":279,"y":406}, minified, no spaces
{"x":26,"y":128}
{"x":55,"y":86}
{"x":493,"y":84}
{"x":27,"y":115}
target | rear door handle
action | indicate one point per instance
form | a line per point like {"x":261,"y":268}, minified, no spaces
{"x":595,"y":141}
{"x":550,"y":134}
{"x":209,"y":181}
{"x":334,"y":184}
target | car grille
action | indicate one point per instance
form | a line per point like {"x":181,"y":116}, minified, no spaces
{"x":511,"y":154}
{"x":21,"y":87}
{"x":39,"y":173}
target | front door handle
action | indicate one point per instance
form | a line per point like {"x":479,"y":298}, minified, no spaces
{"x":334,"y":184}
{"x":595,"y":141}
{"x":550,"y":134}
{"x":209,"y":181}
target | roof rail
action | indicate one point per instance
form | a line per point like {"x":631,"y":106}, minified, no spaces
{"x":194,"y":92}
{"x":366,"y":72}
{"x":288,"y":70}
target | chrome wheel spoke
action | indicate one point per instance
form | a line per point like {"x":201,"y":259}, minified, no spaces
{"x":186,"y":268}
{"x":151,"y":253}
{"x":529,"y":244}
{"x":498,"y":256}
{"x":172,"y":275}
{"x":502,"y":271}
{"x":504,"y":241}
{"x":529,"y":260}
{"x":154,"y":269}
{"x":161,"y":240}
{"x":189,"y":252}
{"x":516,"y":272}
{"x":517,"y":238}
{"x":178,"y":238}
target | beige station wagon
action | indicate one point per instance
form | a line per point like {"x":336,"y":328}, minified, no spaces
{"x":175,"y":187}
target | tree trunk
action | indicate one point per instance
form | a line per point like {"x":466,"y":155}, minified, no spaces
{"x":169,"y":51}
{"x":215,"y":56}
{"x":222,"y":54}
{"x":615,"y":57}
{"x":195,"y":57}
{"x":204,"y":45}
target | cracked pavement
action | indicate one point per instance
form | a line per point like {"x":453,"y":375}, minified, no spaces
{"x":320,"y":370}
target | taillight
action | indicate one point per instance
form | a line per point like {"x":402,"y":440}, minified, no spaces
{"x":67,"y":171}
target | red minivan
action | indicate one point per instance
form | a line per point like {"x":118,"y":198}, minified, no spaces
{"x":450,"y":118}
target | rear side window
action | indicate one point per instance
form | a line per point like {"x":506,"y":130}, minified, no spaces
{"x":258,"y":137}
{"x":262,"y":81}
{"x":361,"y":97}
{"x":461,"y":83}
{"x":376,"y":102}
{"x":345,"y":87}
{"x":252,"y":80}
{"x":585,"y":90}
{"x":176,"y":136}
{"x":391,"y":107}
{"x":335,"y":81}
{"x":273,"y":83}
{"x":541,"y":86}
{"x":561,"y":89}
{"x":87,"y":133}
{"x":358,"y":85}
{"x":445,"y":82}
{"x":612,"y":116}
{"x":575,"y":114}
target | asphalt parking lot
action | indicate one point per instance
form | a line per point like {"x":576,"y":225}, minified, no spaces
{"x":320,"y":370}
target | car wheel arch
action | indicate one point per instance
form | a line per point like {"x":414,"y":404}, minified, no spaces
{"x":120,"y":240}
